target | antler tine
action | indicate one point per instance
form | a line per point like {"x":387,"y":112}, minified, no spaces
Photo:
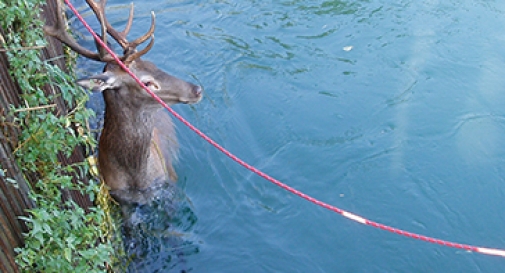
{"x":130,"y":58}
{"x":129,"y":23}
{"x":59,"y":32}
{"x":148,"y":34}
{"x":99,"y":10}
{"x":131,"y":54}
{"x":101,"y":49}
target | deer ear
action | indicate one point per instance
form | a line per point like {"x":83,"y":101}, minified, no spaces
{"x":98,"y":83}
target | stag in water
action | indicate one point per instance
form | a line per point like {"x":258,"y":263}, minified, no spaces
{"x":138,"y":138}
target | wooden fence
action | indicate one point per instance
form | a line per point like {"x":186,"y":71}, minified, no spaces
{"x":14,"y":201}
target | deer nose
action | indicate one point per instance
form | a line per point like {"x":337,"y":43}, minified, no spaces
{"x":197,"y":90}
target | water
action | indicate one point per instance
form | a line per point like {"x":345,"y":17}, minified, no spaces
{"x":392,"y":110}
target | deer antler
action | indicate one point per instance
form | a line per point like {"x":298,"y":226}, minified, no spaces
{"x":130,"y":52}
{"x":133,"y":45}
{"x":129,"y":48}
{"x":59,"y":32}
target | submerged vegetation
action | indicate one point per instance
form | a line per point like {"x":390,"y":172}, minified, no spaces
{"x":62,"y":237}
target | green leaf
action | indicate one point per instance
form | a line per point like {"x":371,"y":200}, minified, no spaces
{"x":68,"y":254}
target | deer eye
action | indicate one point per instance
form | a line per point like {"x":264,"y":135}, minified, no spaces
{"x":152,"y":84}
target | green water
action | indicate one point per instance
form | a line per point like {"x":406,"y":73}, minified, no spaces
{"x":392,"y":110}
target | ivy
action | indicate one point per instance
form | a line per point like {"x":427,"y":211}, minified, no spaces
{"x":62,"y":236}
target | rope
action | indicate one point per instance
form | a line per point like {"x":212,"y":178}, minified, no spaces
{"x":351,"y":216}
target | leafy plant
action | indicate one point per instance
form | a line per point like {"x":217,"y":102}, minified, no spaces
{"x":62,"y":236}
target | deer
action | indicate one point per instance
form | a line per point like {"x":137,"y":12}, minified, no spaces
{"x":136,"y":149}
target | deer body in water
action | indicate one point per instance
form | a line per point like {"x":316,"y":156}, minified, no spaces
{"x":138,"y":138}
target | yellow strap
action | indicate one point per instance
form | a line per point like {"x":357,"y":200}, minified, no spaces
{"x":162,"y":158}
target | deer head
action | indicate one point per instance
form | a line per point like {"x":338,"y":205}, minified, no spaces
{"x":170,"y":89}
{"x":128,"y":158}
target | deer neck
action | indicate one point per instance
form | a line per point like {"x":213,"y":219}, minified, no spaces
{"x":125,"y":143}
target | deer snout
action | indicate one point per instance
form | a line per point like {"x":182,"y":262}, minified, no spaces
{"x":192,"y":94}
{"x":197,"y":92}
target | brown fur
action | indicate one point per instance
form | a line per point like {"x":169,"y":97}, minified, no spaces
{"x":138,"y":142}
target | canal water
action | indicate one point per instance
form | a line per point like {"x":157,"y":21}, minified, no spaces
{"x":392,"y":110}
